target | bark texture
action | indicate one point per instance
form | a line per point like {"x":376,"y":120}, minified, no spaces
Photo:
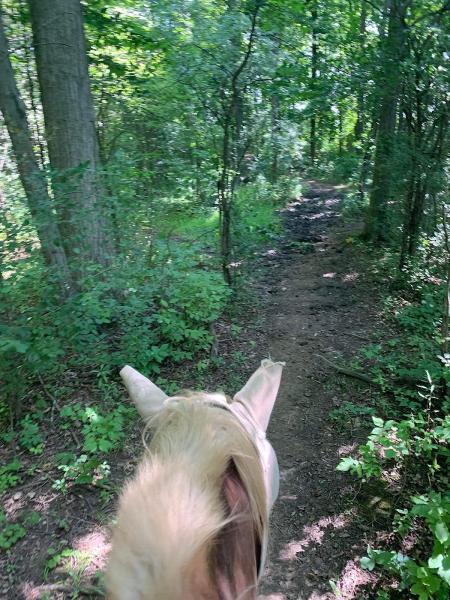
{"x":69,"y":116}
{"x":360,"y":103}
{"x":31,"y":176}
{"x":275,"y":130}
{"x":314,"y":78}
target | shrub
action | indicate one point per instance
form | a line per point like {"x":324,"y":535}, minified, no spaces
{"x":137,"y":315}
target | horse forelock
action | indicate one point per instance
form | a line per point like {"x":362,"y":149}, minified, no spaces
{"x":188,"y":521}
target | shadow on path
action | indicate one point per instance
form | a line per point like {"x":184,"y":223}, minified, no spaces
{"x":317,"y":303}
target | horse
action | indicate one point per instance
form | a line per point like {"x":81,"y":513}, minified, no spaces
{"x":192,"y":523}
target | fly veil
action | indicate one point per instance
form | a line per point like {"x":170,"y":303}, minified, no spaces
{"x":202,"y":493}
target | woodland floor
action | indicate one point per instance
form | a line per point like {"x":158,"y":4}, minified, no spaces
{"x":314,"y":299}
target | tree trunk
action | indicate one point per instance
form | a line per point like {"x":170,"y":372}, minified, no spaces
{"x":69,"y":116}
{"x":409,"y":198}
{"x":376,"y":227}
{"x":227,"y":179}
{"x":366,"y":160}
{"x":32,"y":94}
{"x":426,"y":162}
{"x":314,"y":77}
{"x":32,"y":178}
{"x":360,"y":105}
{"x":3,"y":221}
{"x":274,"y":136}
{"x":340,"y":131}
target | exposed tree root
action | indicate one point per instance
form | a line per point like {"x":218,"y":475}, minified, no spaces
{"x":349,"y":372}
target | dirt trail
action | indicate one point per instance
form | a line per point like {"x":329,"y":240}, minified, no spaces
{"x":319,"y":305}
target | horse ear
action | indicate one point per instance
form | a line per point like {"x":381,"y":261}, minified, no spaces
{"x":259,"y":393}
{"x":147,"y":396}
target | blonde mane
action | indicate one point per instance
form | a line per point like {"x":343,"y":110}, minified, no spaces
{"x":173,"y":511}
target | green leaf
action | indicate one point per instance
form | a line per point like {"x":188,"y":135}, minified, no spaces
{"x":434,"y":562}
{"x":14,"y":345}
{"x":347,"y":464}
{"x":444,"y":570}
{"x":90,"y":445}
{"x":104,"y":445}
{"x":390,"y":453}
{"x":440,"y":530}
{"x":367,"y":563}
{"x":419,"y":590}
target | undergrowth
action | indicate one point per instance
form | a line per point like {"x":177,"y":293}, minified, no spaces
{"x":408,"y":447}
{"x":155,"y":304}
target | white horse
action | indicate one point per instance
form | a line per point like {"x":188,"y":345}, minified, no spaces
{"x":193,"y":522}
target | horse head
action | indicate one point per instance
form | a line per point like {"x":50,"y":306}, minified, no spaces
{"x":193,"y":522}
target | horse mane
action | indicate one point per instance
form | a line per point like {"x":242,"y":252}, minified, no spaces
{"x":190,"y":521}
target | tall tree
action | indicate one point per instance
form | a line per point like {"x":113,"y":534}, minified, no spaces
{"x":392,"y":54}
{"x":314,"y":78}
{"x":70,"y":125}
{"x":230,"y":145}
{"x":31,"y":176}
{"x":426,"y":126}
{"x":360,"y":113}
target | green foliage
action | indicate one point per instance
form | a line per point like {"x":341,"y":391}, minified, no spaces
{"x":73,"y":564}
{"x":9,"y":475}
{"x":163,"y":315}
{"x":81,"y":470}
{"x":412,"y":444}
{"x":30,"y":436}
{"x":354,"y":205}
{"x":428,"y":578}
{"x":255,"y":205}
{"x":12,"y":532}
{"x":56,"y":557}
{"x":416,"y":437}
{"x":102,"y":432}
{"x":162,"y":79}
{"x":420,"y":445}
{"x":349,"y":411}
{"x":413,"y":311}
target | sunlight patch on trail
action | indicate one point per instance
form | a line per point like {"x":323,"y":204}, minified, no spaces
{"x":83,"y":561}
{"x":351,"y":579}
{"x":313,"y":535}
{"x":319,"y":215}
{"x":288,"y":497}
{"x":13,"y":505}
{"x":349,"y":277}
{"x":291,"y":207}
{"x":95,"y":545}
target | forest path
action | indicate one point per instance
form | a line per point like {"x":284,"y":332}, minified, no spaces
{"x":319,"y":304}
